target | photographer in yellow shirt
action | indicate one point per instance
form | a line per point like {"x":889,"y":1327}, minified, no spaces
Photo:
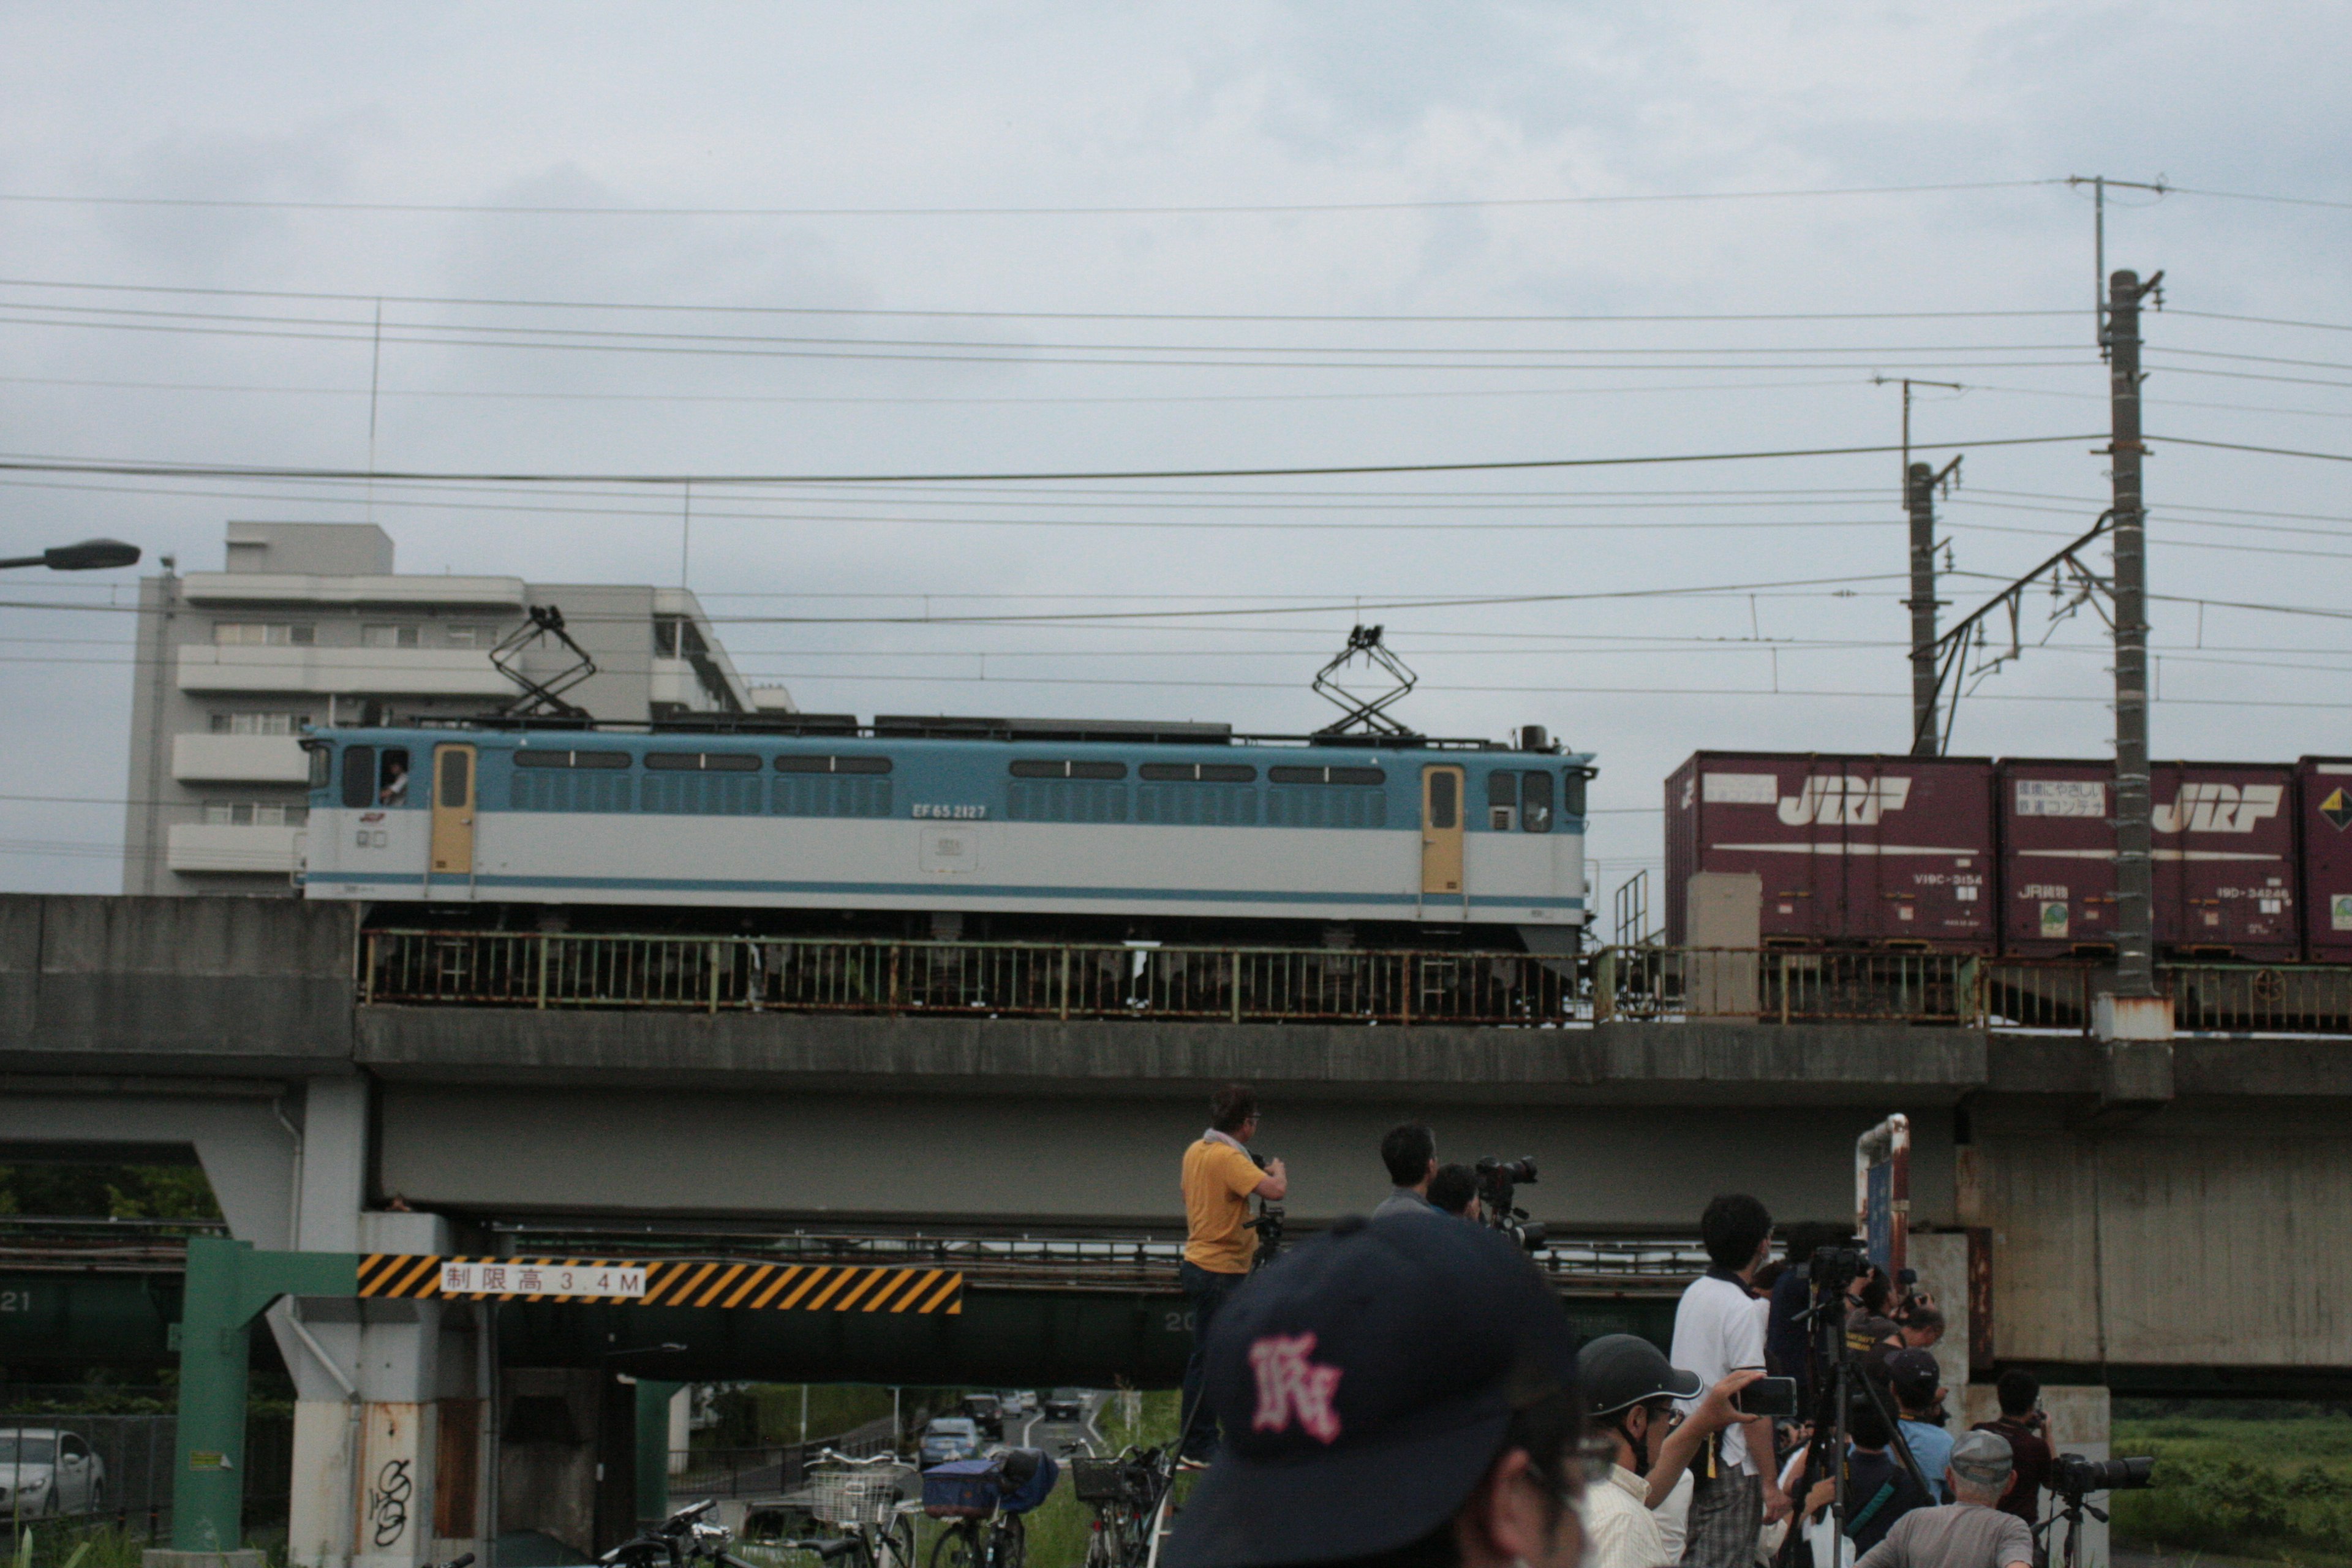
{"x":1220,"y":1178}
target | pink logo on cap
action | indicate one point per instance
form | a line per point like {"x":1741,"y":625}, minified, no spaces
{"x":1290,"y":1387}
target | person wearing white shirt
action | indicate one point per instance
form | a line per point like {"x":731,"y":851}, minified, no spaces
{"x":1717,"y":1331}
{"x":1629,"y":1389}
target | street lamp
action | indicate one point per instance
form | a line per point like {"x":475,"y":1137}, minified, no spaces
{"x":90,"y":555}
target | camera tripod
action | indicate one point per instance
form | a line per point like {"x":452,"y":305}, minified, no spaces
{"x":1838,"y":1376}
{"x":2069,"y":1508}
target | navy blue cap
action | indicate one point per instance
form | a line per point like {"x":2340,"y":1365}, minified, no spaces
{"x":1365,"y":1382}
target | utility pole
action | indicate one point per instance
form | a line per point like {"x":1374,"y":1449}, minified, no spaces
{"x":1919,"y":482}
{"x":2137,"y":1001}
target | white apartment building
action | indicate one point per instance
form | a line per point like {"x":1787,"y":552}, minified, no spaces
{"x":309,"y":623}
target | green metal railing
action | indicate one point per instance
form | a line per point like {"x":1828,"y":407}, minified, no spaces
{"x":1267,"y":984}
{"x":1013,"y":980}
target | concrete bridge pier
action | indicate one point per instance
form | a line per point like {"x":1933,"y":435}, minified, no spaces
{"x":388,"y":1465}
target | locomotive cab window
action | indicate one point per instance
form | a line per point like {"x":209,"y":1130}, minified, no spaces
{"x":392,"y":777}
{"x":323,"y":765}
{"x":359,"y":777}
{"x":1535,"y":802}
{"x":1502,"y":801}
{"x":1571,"y":792}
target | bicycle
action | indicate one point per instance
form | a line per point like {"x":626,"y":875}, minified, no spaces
{"x":987,"y":1500}
{"x":1125,"y":1493}
{"x":863,"y":1498}
{"x":682,"y":1540}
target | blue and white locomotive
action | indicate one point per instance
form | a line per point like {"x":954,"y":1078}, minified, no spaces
{"x":1139,"y":829}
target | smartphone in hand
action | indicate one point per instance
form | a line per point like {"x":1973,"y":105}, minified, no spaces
{"x":1774,"y":1396}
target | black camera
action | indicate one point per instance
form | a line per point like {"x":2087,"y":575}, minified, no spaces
{"x":1499,"y":1183}
{"x":2073,"y":1475}
{"x":1833,"y":1268}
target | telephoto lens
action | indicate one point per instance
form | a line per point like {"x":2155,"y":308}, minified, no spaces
{"x":2075,"y":1474}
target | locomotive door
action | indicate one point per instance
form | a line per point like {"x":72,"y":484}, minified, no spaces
{"x":452,"y":811}
{"x":1442,"y":891}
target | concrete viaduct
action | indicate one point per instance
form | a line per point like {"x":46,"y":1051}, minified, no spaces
{"x":2169,"y":1219}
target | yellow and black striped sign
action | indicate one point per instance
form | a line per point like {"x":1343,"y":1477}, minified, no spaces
{"x":671,"y":1282}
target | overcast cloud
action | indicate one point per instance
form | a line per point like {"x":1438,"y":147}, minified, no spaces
{"x":1042,"y":106}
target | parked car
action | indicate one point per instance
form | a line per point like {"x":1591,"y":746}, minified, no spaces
{"x":949,"y":1437}
{"x":45,"y":1470}
{"x":1066,"y":1405}
{"x":1019,"y":1401}
{"x":986,"y":1412}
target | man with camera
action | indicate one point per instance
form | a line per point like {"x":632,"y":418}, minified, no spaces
{"x":1971,"y":1532}
{"x":2027,"y":1431}
{"x":1455,"y":1191}
{"x":1410,"y":1151}
{"x":1220,"y":1177}
{"x":1396,"y":1393}
{"x":1630,"y":1392}
{"x":1717,"y":1331}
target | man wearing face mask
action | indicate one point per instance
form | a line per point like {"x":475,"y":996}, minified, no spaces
{"x":1630,"y":1389}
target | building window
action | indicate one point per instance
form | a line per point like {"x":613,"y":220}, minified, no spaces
{"x":263,"y":634}
{"x":676,"y":636}
{"x":254,"y":813}
{"x":472,"y":636}
{"x":390,"y":636}
{"x":260,"y":724}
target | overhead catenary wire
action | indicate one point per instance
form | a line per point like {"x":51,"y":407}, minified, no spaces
{"x":22,"y":464}
{"x":1128,"y":210}
{"x":947,"y":313}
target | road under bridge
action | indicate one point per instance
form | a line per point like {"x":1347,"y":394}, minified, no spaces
{"x":2149,"y":1217}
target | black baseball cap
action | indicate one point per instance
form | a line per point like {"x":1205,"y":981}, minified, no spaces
{"x":1365,"y":1383}
{"x":1913,"y":1374}
{"x":1617,"y":1371}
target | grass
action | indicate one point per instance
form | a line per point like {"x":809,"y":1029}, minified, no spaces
{"x":2280,"y":1490}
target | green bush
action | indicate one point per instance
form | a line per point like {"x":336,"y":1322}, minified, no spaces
{"x":2276,"y":1487}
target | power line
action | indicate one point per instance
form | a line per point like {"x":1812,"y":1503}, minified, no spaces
{"x":2264,"y":320}
{"x":259,"y":471}
{"x":1197,"y":210}
{"x":2267,"y":451}
{"x":1002,"y":315}
{"x":1012,"y":355}
{"x":832,"y":401}
{"x":596,"y":336}
{"x":2250,"y":196}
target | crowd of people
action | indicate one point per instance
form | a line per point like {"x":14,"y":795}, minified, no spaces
{"x":1401,"y":1392}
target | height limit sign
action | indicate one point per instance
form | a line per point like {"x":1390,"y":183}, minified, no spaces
{"x":585,"y":1281}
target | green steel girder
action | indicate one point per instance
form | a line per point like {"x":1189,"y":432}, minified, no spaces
{"x":229,"y":1285}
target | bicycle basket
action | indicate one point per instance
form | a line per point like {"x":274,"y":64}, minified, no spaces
{"x":962,"y":1488}
{"x":1098,"y":1480}
{"x":855,"y":1500}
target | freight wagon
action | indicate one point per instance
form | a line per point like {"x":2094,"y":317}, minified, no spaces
{"x":2252,"y":860}
{"x":2324,"y":823}
{"x":1874,"y":851}
{"x":2224,"y":873}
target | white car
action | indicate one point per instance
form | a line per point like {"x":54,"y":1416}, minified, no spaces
{"x":44,"y":1470}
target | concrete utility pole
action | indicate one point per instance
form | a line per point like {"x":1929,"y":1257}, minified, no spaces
{"x":2136,"y":992}
{"x":1919,"y":482}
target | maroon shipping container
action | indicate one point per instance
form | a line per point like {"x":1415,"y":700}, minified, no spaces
{"x":1852,"y":850}
{"x":2322,"y":787}
{"x":2225,"y":862}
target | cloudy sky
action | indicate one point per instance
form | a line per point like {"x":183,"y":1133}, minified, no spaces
{"x":714,"y":240}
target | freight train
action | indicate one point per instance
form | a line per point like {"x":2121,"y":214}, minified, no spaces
{"x":2015,"y":857}
{"x":978,"y":827}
